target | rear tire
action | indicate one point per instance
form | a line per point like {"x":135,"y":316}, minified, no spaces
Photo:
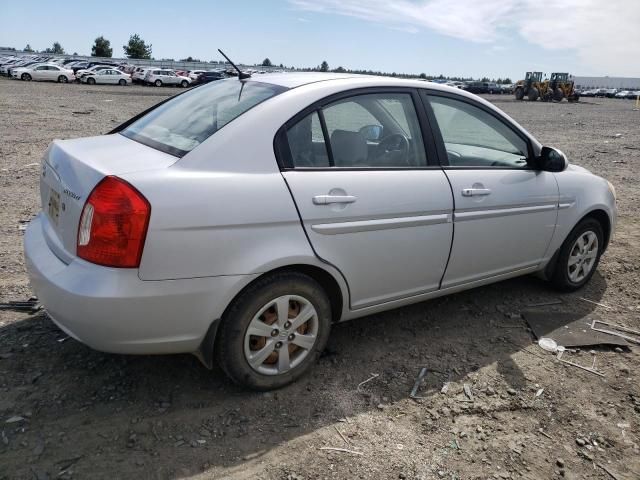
{"x":91,"y":81}
{"x":567,"y":277}
{"x":26,"y":77}
{"x":256,"y":307}
{"x":158,"y":83}
{"x":558,"y":95}
{"x":533,"y":94}
{"x":519,"y":93}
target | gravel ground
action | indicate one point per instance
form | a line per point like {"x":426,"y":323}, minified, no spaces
{"x":69,"y":412}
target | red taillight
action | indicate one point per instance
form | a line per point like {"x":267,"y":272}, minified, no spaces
{"x":113,"y":225}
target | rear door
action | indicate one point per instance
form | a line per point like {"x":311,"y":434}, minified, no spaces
{"x":372,"y":201}
{"x":505,"y":211}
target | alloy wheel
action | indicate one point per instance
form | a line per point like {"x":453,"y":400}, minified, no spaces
{"x":582,"y":256}
{"x":281,"y":335}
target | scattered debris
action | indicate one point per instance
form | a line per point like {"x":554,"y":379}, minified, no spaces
{"x":545,"y":304}
{"x":568,"y":329}
{"x":587,"y":369}
{"x":418,"y":382}
{"x":83,"y":112}
{"x":341,"y":450}
{"x":373,"y":375}
{"x":548,"y":344}
{"x":15,"y":419}
{"x":30,"y":305}
{"x":539,"y":392}
{"x":617,"y":334}
{"x":341,"y":435}
{"x":611,"y":474}
{"x":542,"y":432}
{"x":467,"y":391}
{"x":595,"y":303}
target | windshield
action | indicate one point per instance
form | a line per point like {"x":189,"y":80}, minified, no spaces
{"x":184,"y":122}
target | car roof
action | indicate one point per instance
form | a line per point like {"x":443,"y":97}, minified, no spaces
{"x":299,"y":79}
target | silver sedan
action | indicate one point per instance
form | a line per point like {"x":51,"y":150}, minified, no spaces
{"x":238,"y":221}
{"x":109,"y":76}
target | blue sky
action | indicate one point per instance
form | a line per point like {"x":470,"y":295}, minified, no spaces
{"x":495,"y":38}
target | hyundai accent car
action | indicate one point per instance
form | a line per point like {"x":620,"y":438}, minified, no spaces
{"x":239,"y":220}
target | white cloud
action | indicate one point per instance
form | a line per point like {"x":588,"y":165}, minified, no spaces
{"x":605,"y":37}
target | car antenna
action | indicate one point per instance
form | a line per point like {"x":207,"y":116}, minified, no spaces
{"x":241,"y":75}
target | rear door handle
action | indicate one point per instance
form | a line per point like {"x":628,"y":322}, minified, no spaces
{"x":328,"y":199}
{"x":473,"y":192}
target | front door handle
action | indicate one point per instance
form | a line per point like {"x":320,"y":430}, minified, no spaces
{"x":328,"y":199}
{"x":473,"y":192}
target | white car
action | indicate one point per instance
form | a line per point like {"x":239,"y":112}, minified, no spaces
{"x":50,"y":72}
{"x":162,"y":76}
{"x":194,"y":74}
{"x":240,"y":220}
{"x":95,"y":68}
{"x":106,"y":76}
{"x":139,"y":73}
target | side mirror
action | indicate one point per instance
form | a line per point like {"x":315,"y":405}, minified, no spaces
{"x":552,"y":160}
{"x":372,"y":133}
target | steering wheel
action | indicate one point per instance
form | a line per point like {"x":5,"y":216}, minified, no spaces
{"x":396,"y":146}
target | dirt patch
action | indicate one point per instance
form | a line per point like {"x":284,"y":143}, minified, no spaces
{"x":67,"y":411}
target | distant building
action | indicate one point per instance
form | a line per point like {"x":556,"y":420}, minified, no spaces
{"x":624,"y":83}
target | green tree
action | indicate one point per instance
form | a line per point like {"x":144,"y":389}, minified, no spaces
{"x":137,"y":48}
{"x":324,"y":66}
{"x":423,"y":76}
{"x":267,"y":63}
{"x":101,"y":48}
{"x":340,"y":70}
{"x":507,"y":81}
{"x":28,"y":48}
{"x":57,"y":48}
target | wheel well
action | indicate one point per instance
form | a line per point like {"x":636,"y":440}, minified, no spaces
{"x":326,"y":281}
{"x":603,"y":219}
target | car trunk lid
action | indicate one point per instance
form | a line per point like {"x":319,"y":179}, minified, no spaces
{"x":70,"y":171}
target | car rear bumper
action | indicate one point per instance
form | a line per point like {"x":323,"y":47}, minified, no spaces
{"x":112,"y":310}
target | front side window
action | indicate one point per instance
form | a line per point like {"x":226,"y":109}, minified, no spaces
{"x":363,"y":131}
{"x":475,"y":138}
{"x":184,"y":122}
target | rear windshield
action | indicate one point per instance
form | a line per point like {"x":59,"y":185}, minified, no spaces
{"x":184,"y":122}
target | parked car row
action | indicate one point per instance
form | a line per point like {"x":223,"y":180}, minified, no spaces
{"x":64,"y":70}
{"x":610,"y":93}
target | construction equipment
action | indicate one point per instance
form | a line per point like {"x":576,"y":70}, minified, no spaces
{"x":561,"y":86}
{"x":558,"y":87}
{"x":529,"y":87}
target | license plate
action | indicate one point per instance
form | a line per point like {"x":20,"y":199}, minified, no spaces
{"x":54,"y":206}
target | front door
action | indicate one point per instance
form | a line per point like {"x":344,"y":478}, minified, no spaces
{"x":505,"y":212}
{"x":370,"y":200}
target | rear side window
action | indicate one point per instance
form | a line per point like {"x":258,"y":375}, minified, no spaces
{"x":184,"y":122}
{"x":379,"y":130}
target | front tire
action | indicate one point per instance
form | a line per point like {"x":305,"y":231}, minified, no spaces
{"x":63,"y":79}
{"x":558,"y":95}
{"x":533,"y":94}
{"x":122,"y":82}
{"x":579,"y":256}
{"x":274,"y":331}
{"x":91,"y":81}
{"x":519,"y":93}
{"x":26,"y":77}
{"x":184,"y":84}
